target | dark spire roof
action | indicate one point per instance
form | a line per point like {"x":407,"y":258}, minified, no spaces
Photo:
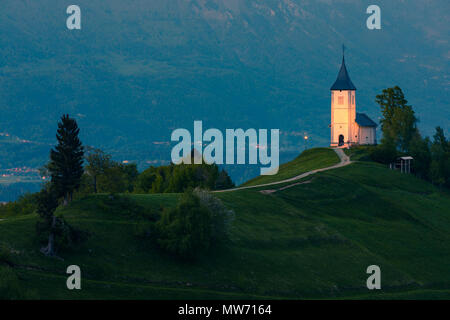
{"x":343,"y":81}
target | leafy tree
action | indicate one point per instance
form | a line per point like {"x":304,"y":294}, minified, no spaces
{"x":221,"y":216}
{"x":178,"y":178}
{"x":185,"y":230}
{"x":131,"y":172}
{"x":197,"y":223}
{"x":108,"y":175}
{"x":97,"y":163}
{"x":223,"y":181}
{"x":145,"y":182}
{"x":119,"y":178}
{"x":440,"y":155}
{"x":401,"y":137}
{"x":385,"y":152}
{"x":399,"y":123}
{"x":157,"y":186}
{"x":181,"y":178}
{"x":66,"y":160}
{"x":419,"y":149}
{"x":86,"y":186}
{"x":26,"y":204}
{"x":113,"y":180}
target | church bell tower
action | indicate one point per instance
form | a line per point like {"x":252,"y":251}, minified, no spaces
{"x":344,"y":130}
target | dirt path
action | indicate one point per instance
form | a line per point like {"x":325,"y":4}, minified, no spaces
{"x":345,"y":160}
{"x":269,"y":191}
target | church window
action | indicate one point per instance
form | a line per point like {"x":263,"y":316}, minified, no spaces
{"x":353,"y":99}
{"x":340,"y":100}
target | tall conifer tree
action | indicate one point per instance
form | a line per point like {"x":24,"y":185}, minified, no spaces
{"x":66,"y":160}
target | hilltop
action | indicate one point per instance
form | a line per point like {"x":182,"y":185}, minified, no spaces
{"x":310,"y":240}
{"x":308,"y":160}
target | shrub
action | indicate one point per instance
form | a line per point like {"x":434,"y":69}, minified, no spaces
{"x":26,"y":204}
{"x":221,"y":216}
{"x":198,"y":222}
{"x":179,"y":178}
{"x":114,"y":180}
{"x":384,"y":153}
{"x":185,"y":230}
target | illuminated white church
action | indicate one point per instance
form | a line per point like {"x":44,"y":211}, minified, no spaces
{"x":348,"y":127}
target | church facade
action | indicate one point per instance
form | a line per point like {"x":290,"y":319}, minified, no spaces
{"x":348,"y":127}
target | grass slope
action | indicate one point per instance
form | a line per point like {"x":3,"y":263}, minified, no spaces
{"x":309,"y":241}
{"x":308,"y":160}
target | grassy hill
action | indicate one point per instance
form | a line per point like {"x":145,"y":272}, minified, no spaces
{"x":308,"y":160}
{"x":313,"y":240}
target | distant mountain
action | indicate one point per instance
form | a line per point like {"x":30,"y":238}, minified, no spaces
{"x":139,"y":69}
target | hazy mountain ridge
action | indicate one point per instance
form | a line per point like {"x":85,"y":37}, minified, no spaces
{"x":139,"y":69}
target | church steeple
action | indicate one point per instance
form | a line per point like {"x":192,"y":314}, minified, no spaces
{"x":343,"y":81}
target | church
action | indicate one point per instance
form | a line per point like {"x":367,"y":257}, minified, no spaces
{"x":348,"y":127}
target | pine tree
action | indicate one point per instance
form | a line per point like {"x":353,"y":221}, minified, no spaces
{"x":66,"y":160}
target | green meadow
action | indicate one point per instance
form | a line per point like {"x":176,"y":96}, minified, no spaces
{"x":308,"y":160}
{"x":308,"y":241}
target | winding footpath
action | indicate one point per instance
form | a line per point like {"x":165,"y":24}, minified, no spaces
{"x":345,"y":161}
